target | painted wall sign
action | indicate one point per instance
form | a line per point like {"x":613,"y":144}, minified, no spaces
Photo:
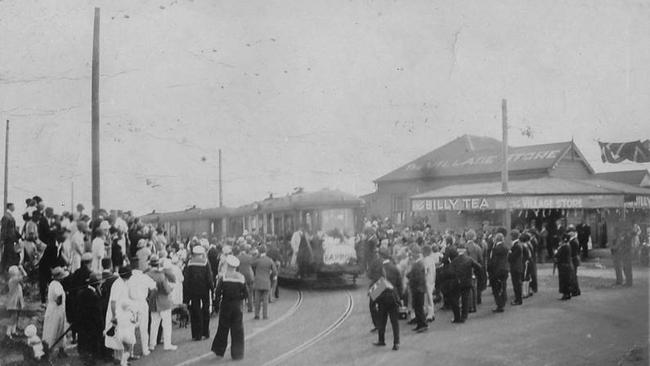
{"x":453,"y":204}
{"x":526,"y":202}
{"x":487,"y":160}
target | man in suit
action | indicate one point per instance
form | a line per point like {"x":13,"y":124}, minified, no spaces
{"x":463,"y":269}
{"x":515,"y":260}
{"x":8,"y":238}
{"x":374,"y":273}
{"x":575,"y":258}
{"x":246,"y":269}
{"x":418,"y":287}
{"x":388,"y":301}
{"x":197,"y":283}
{"x":584,"y":232}
{"x":264,"y":268}
{"x":474,"y":251}
{"x":498,"y":271}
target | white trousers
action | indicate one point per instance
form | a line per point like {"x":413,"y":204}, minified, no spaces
{"x":142,"y":312}
{"x":165,"y":317}
{"x":428,"y":302}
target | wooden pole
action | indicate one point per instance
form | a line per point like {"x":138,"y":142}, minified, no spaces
{"x":220,"y":182}
{"x":95,"y":117}
{"x":504,"y":164}
{"x":72,"y":198}
{"x":6,"y":188}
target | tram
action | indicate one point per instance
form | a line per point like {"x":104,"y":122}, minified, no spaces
{"x":329,"y":219}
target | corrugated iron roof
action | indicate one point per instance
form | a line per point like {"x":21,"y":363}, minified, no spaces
{"x":189,"y":214}
{"x":541,"y":186}
{"x":454,"y":159}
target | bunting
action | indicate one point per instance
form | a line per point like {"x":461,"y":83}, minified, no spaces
{"x":636,"y":151}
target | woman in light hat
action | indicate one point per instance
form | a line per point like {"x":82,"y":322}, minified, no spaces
{"x":54,"y":323}
{"x":231,"y":291}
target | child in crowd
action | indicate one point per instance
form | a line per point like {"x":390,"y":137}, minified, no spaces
{"x":15,"y":301}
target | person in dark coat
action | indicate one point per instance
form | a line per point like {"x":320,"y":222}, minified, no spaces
{"x":305,"y":257}
{"x":533,"y":244}
{"x":374,"y":273}
{"x":564,"y":264}
{"x":622,"y":256}
{"x":90,"y":340}
{"x":51,"y":258}
{"x":197,"y":283}
{"x":9,"y":236}
{"x":389,"y":301}
{"x":475,"y":252}
{"x":231,"y":291}
{"x":498,"y":270}
{"x":515,"y":260}
{"x":72,"y":284}
{"x":463,"y":268}
{"x":575,"y":258}
{"x":584,"y":232}
{"x":418,"y":287}
{"x":528,"y":263}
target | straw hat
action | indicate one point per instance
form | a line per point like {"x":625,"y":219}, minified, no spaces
{"x":232,"y":261}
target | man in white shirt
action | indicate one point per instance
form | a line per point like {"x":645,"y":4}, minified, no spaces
{"x":138,"y":286}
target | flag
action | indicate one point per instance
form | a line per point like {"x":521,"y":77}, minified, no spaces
{"x":636,"y":151}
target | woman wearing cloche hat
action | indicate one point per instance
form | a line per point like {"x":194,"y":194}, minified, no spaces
{"x":231,"y":291}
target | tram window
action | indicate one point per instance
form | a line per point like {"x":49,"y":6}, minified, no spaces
{"x":342,"y":219}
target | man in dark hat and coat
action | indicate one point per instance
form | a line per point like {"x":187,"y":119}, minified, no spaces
{"x":498,"y":270}
{"x":197,"y":283}
{"x":90,"y":344}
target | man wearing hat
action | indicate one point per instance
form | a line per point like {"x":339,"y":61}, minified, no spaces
{"x":90,"y":344}
{"x":230,"y":292}
{"x":418,"y":287}
{"x":575,"y":258}
{"x":246,"y":269}
{"x":197,"y":283}
{"x":516,"y":262}
{"x":72,"y":284}
{"x":265,"y":269}
{"x":161,"y":306}
{"x":139,"y":286}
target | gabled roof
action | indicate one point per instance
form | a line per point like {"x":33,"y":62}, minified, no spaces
{"x":455,"y":159}
{"x":639,"y":178}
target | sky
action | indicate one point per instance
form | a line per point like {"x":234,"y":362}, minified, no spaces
{"x":314,"y":94}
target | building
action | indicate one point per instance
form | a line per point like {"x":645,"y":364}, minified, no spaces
{"x":459,"y":185}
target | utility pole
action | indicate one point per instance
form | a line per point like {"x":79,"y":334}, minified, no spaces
{"x":6,"y":190}
{"x":504,"y":165}
{"x":220,"y":182}
{"x":95,"y":117}
{"x":72,"y":197}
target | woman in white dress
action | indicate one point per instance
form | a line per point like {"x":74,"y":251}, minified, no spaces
{"x":54,"y":323}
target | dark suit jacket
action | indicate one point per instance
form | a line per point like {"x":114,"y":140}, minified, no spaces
{"x":264,"y":268}
{"x":463,"y":267}
{"x":417,"y":279}
{"x":394,"y":277}
{"x":498,"y":263}
{"x":575,"y":251}
{"x":515,"y":258}
{"x":8,"y":232}
{"x":374,"y":270}
{"x":246,"y":267}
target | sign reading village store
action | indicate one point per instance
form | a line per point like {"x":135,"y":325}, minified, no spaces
{"x":488,"y":159}
{"x":516,"y":202}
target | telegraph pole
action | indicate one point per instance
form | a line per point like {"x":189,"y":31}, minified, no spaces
{"x":504,"y":165}
{"x":220,"y":182}
{"x":6,"y":189}
{"x":95,"y":117}
{"x":72,"y":197}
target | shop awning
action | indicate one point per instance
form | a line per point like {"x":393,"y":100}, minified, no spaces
{"x":541,"y":193}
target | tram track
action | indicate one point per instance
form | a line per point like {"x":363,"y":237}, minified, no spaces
{"x":284,"y":316}
{"x":317,"y":338}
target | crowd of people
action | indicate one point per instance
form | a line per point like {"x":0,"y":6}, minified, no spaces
{"x":106,"y":279}
{"x":412,"y":269}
